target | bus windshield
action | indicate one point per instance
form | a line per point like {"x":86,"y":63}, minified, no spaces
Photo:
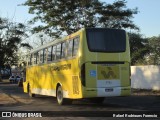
{"x":106,"y":40}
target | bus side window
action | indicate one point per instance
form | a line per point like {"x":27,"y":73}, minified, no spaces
{"x":38,"y":58}
{"x":45,"y":55}
{"x":49,"y":58}
{"x":75,"y":46}
{"x":41,"y":56}
{"x":70,"y":46}
{"x":35,"y":58}
{"x":58,"y":51}
{"x":30,"y":61}
{"x":53,"y":53}
{"x":63,"y":53}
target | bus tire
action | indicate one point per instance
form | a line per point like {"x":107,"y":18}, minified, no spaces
{"x":30,"y":92}
{"x":59,"y":95}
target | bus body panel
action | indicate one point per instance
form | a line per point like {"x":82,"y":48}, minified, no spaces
{"x":106,"y":74}
{"x":48,"y":76}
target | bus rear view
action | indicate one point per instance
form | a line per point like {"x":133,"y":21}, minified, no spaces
{"x":105,"y":63}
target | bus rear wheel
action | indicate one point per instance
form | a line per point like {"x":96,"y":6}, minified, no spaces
{"x":59,"y":95}
{"x":60,"y":99}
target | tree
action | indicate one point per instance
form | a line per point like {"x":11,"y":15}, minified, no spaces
{"x":154,"y":57}
{"x":11,"y":36}
{"x":117,"y":16}
{"x":39,"y":39}
{"x":61,"y":16}
{"x":139,"y":48}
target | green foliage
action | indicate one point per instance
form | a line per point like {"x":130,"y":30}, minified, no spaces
{"x":139,"y":48}
{"x":154,"y":43}
{"x":117,"y":16}
{"x":11,"y":35}
{"x":68,"y":16}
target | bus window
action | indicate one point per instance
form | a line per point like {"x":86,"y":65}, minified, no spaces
{"x":75,"y":46}
{"x":38,"y":58}
{"x":63,"y":53}
{"x":53,"y":53}
{"x":35,"y":58}
{"x":41,"y":57}
{"x":45,"y":55}
{"x":49,"y":58}
{"x":70,"y":45}
{"x":106,"y":40}
{"x":30,"y":62}
{"x":58,"y":51}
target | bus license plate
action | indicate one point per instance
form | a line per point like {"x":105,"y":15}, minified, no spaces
{"x":109,"y":90}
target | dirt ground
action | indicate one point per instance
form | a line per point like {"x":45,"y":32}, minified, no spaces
{"x":9,"y":99}
{"x":145,"y":92}
{"x":12,"y":98}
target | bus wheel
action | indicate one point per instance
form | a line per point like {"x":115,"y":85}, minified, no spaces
{"x":29,"y":92}
{"x":59,"y":96}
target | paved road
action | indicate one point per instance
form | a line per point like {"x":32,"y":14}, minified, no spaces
{"x":20,"y":101}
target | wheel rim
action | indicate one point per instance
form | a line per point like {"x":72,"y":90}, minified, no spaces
{"x":59,"y":95}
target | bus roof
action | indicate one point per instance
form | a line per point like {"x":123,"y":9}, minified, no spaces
{"x":62,"y":39}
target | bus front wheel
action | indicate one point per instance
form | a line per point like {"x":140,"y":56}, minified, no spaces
{"x":60,"y":99}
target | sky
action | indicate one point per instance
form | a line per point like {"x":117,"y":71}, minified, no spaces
{"x":147,"y":19}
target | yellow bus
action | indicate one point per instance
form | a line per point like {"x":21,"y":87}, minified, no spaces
{"x":91,"y":63}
